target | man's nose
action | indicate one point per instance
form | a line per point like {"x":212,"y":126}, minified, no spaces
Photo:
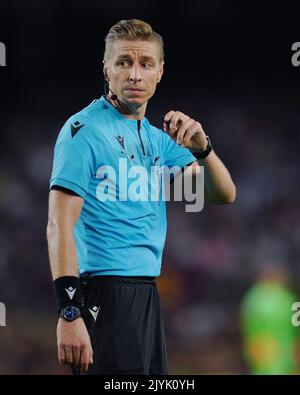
{"x":135,"y":74}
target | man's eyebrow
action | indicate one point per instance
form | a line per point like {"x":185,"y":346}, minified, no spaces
{"x":148,"y":58}
{"x":124,"y":56}
{"x":143,"y":58}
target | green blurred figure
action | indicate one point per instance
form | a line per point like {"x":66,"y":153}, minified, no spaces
{"x":270,"y":339}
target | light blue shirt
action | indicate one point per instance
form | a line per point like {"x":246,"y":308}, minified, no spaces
{"x":115,"y":236}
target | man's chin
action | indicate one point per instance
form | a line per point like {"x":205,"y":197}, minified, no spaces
{"x":134,"y":100}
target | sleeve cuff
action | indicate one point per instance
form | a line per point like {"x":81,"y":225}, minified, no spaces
{"x":69,"y":185}
{"x":187,"y":161}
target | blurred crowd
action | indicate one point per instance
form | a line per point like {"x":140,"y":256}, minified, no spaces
{"x":211,"y":259}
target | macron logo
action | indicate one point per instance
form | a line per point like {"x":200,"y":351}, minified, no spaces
{"x":120,"y":140}
{"x":70,"y":291}
{"x":75,"y":127}
{"x":94,"y":311}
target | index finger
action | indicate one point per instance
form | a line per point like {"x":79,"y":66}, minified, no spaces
{"x":169,"y":115}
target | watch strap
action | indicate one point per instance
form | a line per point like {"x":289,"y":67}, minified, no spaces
{"x":206,"y":152}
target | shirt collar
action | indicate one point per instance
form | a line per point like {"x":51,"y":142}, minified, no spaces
{"x":105,"y":102}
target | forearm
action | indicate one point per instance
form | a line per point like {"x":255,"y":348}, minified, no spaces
{"x":62,"y":251}
{"x":219,"y":187}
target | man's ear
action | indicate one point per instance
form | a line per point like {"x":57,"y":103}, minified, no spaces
{"x":105,"y":70}
{"x":161,"y":71}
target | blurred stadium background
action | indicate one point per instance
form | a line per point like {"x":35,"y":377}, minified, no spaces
{"x":227,"y":66}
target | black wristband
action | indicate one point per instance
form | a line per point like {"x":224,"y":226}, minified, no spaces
{"x":206,"y":152}
{"x":68,"y":292}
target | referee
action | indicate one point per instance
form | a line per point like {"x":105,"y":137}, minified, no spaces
{"x":105,"y":253}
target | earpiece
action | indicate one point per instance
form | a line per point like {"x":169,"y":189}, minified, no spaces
{"x":114,"y":96}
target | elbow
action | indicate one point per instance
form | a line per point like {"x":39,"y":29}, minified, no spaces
{"x":51,"y":230}
{"x":227,"y":198}
{"x":57,"y":227}
{"x":230,"y":198}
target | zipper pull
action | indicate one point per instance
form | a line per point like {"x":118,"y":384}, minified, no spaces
{"x":139,"y":133}
{"x":155,"y":160}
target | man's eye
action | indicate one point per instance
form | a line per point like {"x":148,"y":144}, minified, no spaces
{"x":124,"y":63}
{"x":146,"y":65}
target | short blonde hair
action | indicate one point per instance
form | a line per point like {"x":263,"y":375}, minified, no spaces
{"x":132,"y":29}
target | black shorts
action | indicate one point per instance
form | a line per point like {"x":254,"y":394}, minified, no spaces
{"x":124,"y":320}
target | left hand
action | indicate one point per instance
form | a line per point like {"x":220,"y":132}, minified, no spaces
{"x":185,"y":131}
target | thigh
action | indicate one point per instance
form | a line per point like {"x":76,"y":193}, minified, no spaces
{"x":120,"y":320}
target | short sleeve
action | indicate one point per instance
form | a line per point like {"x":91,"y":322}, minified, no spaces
{"x":174,"y":155}
{"x":73,"y":162}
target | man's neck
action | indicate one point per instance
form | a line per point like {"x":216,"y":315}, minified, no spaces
{"x":130,"y":112}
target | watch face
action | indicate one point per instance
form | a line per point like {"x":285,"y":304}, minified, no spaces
{"x":71,"y":313}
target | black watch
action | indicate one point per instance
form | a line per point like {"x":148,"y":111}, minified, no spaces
{"x":70,"y":313}
{"x":206,"y":152}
